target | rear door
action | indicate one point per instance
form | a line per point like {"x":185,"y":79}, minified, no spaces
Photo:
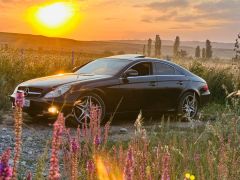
{"x":170,"y":85}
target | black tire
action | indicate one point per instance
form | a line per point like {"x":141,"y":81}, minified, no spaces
{"x":188,"y":105}
{"x":80,"y":105}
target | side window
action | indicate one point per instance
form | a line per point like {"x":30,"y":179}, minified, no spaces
{"x":164,"y":69}
{"x":143,"y":69}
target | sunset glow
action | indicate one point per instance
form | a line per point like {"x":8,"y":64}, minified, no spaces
{"x":54,"y":19}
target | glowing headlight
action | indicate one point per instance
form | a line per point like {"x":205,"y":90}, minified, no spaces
{"x":58,"y":91}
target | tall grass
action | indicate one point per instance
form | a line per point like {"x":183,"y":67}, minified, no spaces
{"x":211,"y":152}
{"x":16,"y":67}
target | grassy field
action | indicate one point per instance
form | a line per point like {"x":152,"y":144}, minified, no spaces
{"x":209,"y":152}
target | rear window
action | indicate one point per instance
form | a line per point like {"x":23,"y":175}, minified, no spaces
{"x":164,"y":69}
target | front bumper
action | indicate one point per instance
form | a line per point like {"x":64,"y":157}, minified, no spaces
{"x":40,"y":106}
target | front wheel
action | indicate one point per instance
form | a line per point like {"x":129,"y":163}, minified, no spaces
{"x":88,"y":107}
{"x":188,"y":105}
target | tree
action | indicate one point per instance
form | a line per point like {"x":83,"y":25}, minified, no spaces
{"x":144,"y":49}
{"x":149,"y":47}
{"x":203,"y":53}
{"x":176,"y":47}
{"x":237,"y":48}
{"x":158,"y":45}
{"x":198,"y":52}
{"x":208,"y":49}
{"x":182,"y":53}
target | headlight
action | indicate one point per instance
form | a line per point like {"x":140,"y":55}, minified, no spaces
{"x":58,"y":91}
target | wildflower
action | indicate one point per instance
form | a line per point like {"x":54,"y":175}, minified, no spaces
{"x":74,"y":159}
{"x":165,"y":167}
{"x":74,"y":145}
{"x":192,"y":177}
{"x":90,"y":166}
{"x":189,"y":176}
{"x":97,"y":141}
{"x":29,"y":176}
{"x":90,"y":169}
{"x":128,"y":169}
{"x":54,"y":173}
{"x":107,"y":127}
{"x":5,"y":168}
{"x":19,"y":101}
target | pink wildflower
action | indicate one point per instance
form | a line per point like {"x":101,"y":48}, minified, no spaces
{"x":74,"y":159}
{"x":97,"y":141}
{"x":19,"y":99}
{"x":29,"y":176}
{"x":54,"y":173}
{"x":90,"y":168}
{"x":128,"y":169}
{"x":5,"y":168}
{"x":165,"y":167}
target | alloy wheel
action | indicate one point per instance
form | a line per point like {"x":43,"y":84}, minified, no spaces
{"x":86,"y":108}
{"x":190,"y":106}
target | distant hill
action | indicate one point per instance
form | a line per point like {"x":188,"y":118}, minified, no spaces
{"x":27,"y":41}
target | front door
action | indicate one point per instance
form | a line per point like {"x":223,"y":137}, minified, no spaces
{"x":138,"y":91}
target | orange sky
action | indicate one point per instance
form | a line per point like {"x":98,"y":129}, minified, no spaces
{"x":218,"y":20}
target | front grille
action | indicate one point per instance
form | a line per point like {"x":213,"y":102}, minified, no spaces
{"x":30,"y":91}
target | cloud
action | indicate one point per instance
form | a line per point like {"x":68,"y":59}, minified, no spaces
{"x":163,"y":5}
{"x":219,"y":12}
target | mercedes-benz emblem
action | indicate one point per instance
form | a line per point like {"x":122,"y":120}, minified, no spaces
{"x":26,"y":91}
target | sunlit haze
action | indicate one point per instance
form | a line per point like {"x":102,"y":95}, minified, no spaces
{"x":125,"y":19}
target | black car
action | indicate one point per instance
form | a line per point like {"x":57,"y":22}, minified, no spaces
{"x":131,"y":82}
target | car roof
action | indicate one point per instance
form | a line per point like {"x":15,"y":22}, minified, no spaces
{"x":140,"y":57}
{"x":132,"y":57}
{"x":137,"y":57}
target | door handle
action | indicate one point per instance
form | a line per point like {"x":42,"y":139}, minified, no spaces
{"x":152,"y":83}
{"x":180,"y":82}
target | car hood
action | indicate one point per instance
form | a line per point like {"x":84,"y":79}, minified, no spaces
{"x":56,"y":80}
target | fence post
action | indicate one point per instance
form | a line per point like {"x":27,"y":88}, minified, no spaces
{"x":72,"y":58}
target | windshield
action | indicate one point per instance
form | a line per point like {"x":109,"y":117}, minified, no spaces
{"x":103,"y":67}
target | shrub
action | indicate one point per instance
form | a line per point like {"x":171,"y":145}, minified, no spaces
{"x":220,"y":80}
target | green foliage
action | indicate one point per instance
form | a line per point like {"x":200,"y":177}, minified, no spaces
{"x":220,"y":81}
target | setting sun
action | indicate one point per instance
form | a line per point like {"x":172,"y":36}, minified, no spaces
{"x":54,"y":19}
{"x":55,"y":15}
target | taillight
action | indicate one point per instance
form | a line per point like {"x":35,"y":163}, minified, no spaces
{"x":205,"y":87}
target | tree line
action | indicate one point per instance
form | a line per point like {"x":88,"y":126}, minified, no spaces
{"x":205,"y":53}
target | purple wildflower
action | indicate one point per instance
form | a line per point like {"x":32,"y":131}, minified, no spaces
{"x":74,"y":145}
{"x":19,"y":99}
{"x":97,"y":141}
{"x":128,"y":169}
{"x":165,"y":167}
{"x":5,"y":168}
{"x":90,"y":166}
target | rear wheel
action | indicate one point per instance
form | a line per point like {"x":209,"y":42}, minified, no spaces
{"x":188,"y":105}
{"x":87,"y":107}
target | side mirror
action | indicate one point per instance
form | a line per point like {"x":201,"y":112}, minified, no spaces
{"x":130,"y":73}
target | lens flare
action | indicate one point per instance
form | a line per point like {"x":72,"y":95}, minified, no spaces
{"x":56,"y":18}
